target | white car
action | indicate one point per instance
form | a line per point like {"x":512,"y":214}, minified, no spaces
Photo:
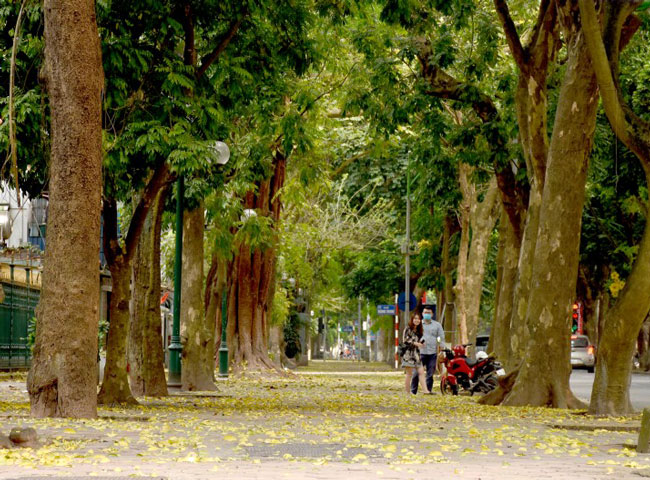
{"x":583,"y":353}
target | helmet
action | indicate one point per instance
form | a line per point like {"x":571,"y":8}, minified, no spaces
{"x":481,"y":355}
{"x":459,"y":350}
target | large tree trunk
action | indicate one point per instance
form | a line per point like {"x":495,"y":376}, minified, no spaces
{"x":448,"y":303}
{"x":145,"y":349}
{"x":480,"y":217}
{"x":509,"y":247}
{"x":464,"y":208}
{"x":610,"y":394}
{"x":544,"y":375}
{"x":484,"y":216}
{"x":63,"y":378}
{"x":197,"y":330}
{"x":531,"y":101}
{"x":643,"y":346}
{"x":251,"y":280}
{"x":115,"y":387}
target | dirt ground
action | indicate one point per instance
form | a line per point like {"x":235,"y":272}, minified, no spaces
{"x":320,"y":425}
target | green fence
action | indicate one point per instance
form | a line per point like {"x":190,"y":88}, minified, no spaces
{"x":15,"y":312}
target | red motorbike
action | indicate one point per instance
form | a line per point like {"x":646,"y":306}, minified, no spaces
{"x":473,"y":376}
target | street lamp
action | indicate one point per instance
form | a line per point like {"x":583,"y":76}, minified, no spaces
{"x":219,"y":153}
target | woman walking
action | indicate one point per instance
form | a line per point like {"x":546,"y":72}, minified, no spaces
{"x":413,"y":341}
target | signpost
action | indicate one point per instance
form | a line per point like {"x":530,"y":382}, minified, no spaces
{"x":407,"y":305}
{"x":386,"y":310}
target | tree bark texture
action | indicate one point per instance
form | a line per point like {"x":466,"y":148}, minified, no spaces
{"x":197,"y":330}
{"x":250,"y":284}
{"x":145,"y":349}
{"x":63,"y":378}
{"x":531,"y":102}
{"x":545,"y":370}
{"x":507,"y":261}
{"x":610,"y":394}
{"x":447,"y":268}
{"x":480,"y":217}
{"x":115,"y":388}
{"x":643,"y":346}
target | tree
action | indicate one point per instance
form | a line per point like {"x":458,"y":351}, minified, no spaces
{"x":544,"y":375}
{"x":623,"y":321}
{"x":144,"y":347}
{"x":62,"y":380}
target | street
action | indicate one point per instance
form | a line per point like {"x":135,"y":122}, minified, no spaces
{"x":581,"y":383}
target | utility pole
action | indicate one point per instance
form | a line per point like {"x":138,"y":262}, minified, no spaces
{"x":407,"y":248}
{"x":359,"y":318}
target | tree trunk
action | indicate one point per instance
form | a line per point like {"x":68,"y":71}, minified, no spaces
{"x":145,"y":348}
{"x":480,"y":217}
{"x":643,"y":346}
{"x":610,"y":394}
{"x":250,"y":284}
{"x":446,"y":267}
{"x":115,"y":387}
{"x":197,"y":330}
{"x":544,"y":375}
{"x":509,"y":247}
{"x":531,"y":101}
{"x":463,"y":249}
{"x":484,"y":217}
{"x":63,"y":377}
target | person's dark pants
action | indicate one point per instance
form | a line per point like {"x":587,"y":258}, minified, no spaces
{"x":429,"y":364}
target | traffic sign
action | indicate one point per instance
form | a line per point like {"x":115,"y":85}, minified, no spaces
{"x":386,"y":310}
{"x":347,"y":329}
{"x":401,"y":302}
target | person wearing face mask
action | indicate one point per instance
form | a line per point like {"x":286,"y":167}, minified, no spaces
{"x":433,"y":334}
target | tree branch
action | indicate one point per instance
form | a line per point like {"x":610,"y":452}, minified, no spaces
{"x":221,"y":46}
{"x":512,"y":37}
{"x":633,"y":131}
{"x":161,"y":177}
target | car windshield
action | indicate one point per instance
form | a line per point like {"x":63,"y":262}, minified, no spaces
{"x":482,"y":341}
{"x":579,"y":342}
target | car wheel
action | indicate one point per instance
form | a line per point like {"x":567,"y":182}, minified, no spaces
{"x":590,"y":369}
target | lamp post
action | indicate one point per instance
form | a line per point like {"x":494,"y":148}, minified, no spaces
{"x":220,"y":154}
{"x":223,"y":349}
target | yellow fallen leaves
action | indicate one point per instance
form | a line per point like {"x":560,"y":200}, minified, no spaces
{"x":359,"y":420}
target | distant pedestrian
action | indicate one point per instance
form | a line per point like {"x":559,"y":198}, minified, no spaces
{"x":433,"y":336}
{"x":412,"y":340}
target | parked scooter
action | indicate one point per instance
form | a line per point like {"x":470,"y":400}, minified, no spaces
{"x":473,"y":376}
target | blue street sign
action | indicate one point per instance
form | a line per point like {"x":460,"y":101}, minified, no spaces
{"x":401,"y":302}
{"x":347,"y":329}
{"x":386,"y":310}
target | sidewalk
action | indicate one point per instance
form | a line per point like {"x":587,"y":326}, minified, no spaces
{"x":319,"y":426}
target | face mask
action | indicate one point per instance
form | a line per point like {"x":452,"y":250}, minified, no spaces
{"x":427,"y":316}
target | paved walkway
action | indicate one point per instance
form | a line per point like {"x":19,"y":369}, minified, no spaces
{"x":320,"y":426}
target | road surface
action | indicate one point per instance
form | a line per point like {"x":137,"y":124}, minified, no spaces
{"x":581,"y":383}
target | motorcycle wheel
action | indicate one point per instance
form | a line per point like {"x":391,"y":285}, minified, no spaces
{"x":492,"y":383}
{"x":447,"y":388}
